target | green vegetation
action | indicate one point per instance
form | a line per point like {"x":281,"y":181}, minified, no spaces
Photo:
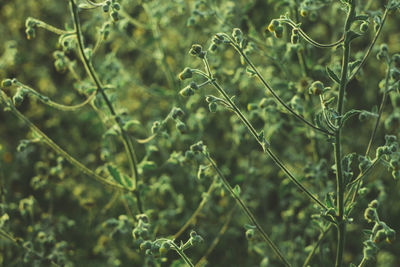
{"x":199,"y":133}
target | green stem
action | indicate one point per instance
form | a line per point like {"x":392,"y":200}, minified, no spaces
{"x":320,"y":238}
{"x":340,"y":186}
{"x":100,"y":88}
{"x":274,"y":94}
{"x":266,"y":149}
{"x":6,"y":102}
{"x":371,"y":45}
{"x":249,"y":214}
{"x":371,"y":140}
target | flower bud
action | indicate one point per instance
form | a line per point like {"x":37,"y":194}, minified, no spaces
{"x":364,"y":27}
{"x":6,"y":83}
{"x":185,"y":74}
{"x":212,"y":107}
{"x":187,"y":91}
{"x":316,"y":88}
{"x":272,"y":25}
{"x":370,"y":214}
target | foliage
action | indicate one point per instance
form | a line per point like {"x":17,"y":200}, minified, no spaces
{"x":199,"y":132}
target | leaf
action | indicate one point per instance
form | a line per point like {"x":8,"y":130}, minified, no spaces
{"x":350,"y":114}
{"x":249,"y":227}
{"x":115,"y":174}
{"x":236,"y":190}
{"x":361,"y":17}
{"x":127,"y":181}
{"x":329,"y":201}
{"x":351,"y":35}
{"x":332,"y":75}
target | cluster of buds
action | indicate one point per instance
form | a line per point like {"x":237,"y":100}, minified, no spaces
{"x":114,"y":7}
{"x":30,"y":25}
{"x":215,"y":41}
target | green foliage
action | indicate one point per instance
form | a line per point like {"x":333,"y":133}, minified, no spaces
{"x":278,"y":153}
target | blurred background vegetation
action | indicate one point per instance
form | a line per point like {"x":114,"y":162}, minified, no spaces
{"x":74,"y":221}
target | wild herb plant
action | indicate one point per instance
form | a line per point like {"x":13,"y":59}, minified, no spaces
{"x":182,"y":186}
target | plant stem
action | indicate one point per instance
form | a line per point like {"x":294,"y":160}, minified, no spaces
{"x":93,"y":75}
{"x":320,"y":238}
{"x":55,"y":147}
{"x":249,"y":214}
{"x":371,"y":45}
{"x":275,"y":158}
{"x":340,"y":186}
{"x":371,"y":140}
{"x":274,"y":94}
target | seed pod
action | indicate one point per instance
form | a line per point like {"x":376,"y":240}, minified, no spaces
{"x":106,"y":8}
{"x":114,"y":16}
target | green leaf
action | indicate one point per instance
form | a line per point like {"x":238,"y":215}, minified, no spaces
{"x":361,"y":17}
{"x":236,"y":190}
{"x":350,"y":114}
{"x":332,"y":75}
{"x":115,"y":174}
{"x":127,"y":181}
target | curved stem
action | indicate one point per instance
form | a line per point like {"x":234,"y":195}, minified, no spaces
{"x":266,"y":149}
{"x":249,"y":214}
{"x":56,"y":148}
{"x":371,"y":45}
{"x":197,"y":211}
{"x":309,"y":39}
{"x":93,"y":75}
{"x":381,"y":107}
{"x":45,"y":100}
{"x":320,"y":238}
{"x":274,"y":94}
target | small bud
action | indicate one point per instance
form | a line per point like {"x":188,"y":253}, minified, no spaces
{"x":30,"y":33}
{"x":272,"y":25}
{"x":185,"y":74}
{"x":198,"y":147}
{"x":212,"y":107}
{"x":196,"y":50}
{"x":278,"y":31}
{"x":316,"y":88}
{"x":6,"y":83}
{"x":373,"y":204}
{"x":380,"y":236}
{"x":187,"y":91}
{"x":390,"y":236}
{"x":145,"y":245}
{"x":304,"y":13}
{"x":383,"y":48}
{"x":106,"y":8}
{"x":250,"y":234}
{"x":194,"y":86}
{"x":213,"y":47}
{"x":364,"y":27}
{"x":237,"y":35}
{"x":380,"y":152}
{"x":155,"y":127}
{"x":116,"y":6}
{"x":370,"y":214}
{"x":177,"y":113}
{"x":114,"y":16}
{"x":181,"y":127}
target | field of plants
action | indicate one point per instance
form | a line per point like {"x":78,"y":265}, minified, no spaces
{"x":199,"y":133}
